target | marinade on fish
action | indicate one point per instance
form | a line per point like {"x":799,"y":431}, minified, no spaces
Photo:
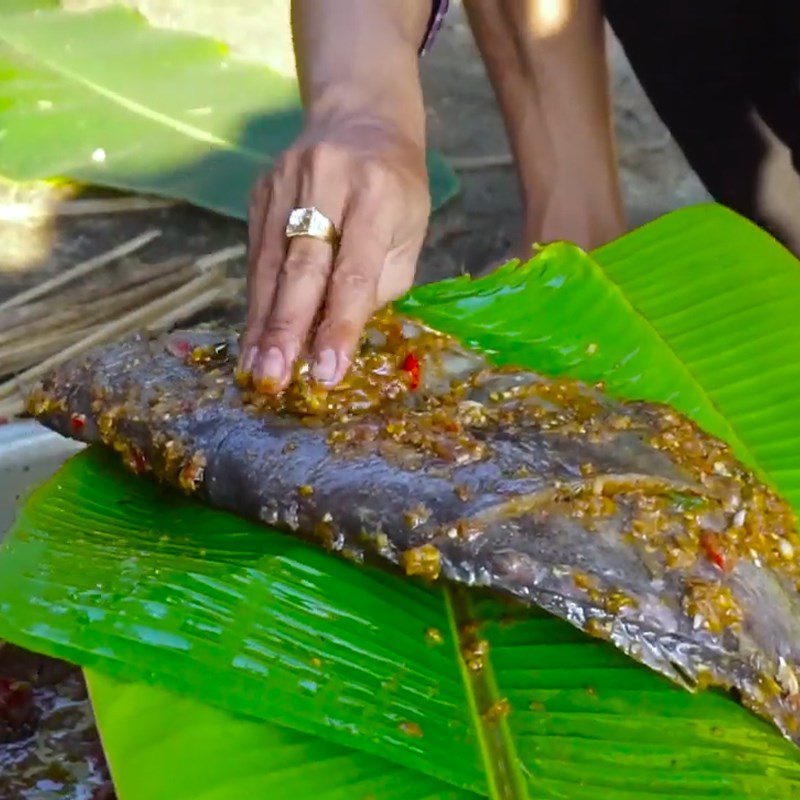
{"x":623,"y":518}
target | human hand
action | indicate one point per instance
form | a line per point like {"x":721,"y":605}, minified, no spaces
{"x":305,"y":295}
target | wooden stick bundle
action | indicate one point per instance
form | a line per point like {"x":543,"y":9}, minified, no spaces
{"x":48,"y":324}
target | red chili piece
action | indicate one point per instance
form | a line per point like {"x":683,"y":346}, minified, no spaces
{"x":77,"y":422}
{"x":180,"y":347}
{"x":412,"y":366}
{"x":713,"y":553}
{"x":139,"y":461}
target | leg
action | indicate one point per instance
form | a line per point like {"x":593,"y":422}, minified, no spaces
{"x":546,"y":61}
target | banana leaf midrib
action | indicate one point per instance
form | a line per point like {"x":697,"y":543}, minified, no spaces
{"x":500,"y":758}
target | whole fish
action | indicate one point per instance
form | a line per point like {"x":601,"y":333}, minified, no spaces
{"x":623,"y":518}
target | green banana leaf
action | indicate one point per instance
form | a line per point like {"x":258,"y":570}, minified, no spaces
{"x":699,"y":309}
{"x":163,"y":746}
{"x":103,"y":98}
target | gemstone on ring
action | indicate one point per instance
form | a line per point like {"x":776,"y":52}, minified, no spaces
{"x":311,"y":222}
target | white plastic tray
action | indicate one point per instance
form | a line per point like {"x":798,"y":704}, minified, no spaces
{"x":29,"y":453}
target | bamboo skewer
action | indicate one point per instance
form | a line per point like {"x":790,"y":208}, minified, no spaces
{"x":79,"y":270}
{"x":12,"y":408}
{"x":140,"y":317}
{"x":19,"y":211}
{"x":84,"y":314}
{"x":40,"y":330}
{"x":204,"y":300}
{"x":220,"y":256}
{"x":63,"y":322}
{"x":27,"y":351}
{"x":110,"y":205}
{"x":468,"y":163}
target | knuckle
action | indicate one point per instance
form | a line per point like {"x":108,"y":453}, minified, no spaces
{"x":264,"y":263}
{"x":278,"y":330}
{"x":339,"y":331}
{"x":354,"y":280}
{"x":324,"y":155}
{"x":376,"y":174}
{"x":328,"y":330}
{"x":304,"y":266}
{"x":282,"y":167}
{"x":417,"y":194}
{"x":258,"y":195}
{"x":250,"y":337}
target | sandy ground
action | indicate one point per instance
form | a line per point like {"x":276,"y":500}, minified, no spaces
{"x":474,"y":229}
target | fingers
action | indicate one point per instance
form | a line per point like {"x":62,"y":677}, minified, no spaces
{"x":352,"y":290}
{"x":301,"y":283}
{"x":397,"y":275}
{"x":299,"y":293}
{"x":266,"y":251}
{"x":376,"y":194}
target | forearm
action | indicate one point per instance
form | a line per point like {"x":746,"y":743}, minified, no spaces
{"x":357,"y":61}
{"x":546,"y":61}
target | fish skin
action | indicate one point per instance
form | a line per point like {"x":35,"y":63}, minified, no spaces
{"x":510,"y":515}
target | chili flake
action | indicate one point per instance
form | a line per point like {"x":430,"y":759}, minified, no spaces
{"x":77,"y":422}
{"x":412,"y":366}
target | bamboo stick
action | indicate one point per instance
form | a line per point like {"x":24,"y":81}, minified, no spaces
{"x":148,"y":295}
{"x":119,"y":327}
{"x":141,"y":293}
{"x":12,"y":407}
{"x":82,"y":314}
{"x":201,"y":302}
{"x":220,"y":256}
{"x":111,"y":205}
{"x":78,"y":301}
{"x":65,"y":320}
{"x":468,"y":163}
{"x":19,"y":355}
{"x":15,"y":405}
{"x":81,"y":269}
{"x":18,"y":211}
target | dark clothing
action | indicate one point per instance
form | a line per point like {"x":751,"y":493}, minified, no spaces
{"x":710,"y":66}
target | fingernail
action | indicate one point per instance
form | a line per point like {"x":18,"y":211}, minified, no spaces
{"x":248,"y":359}
{"x":324,"y":369}
{"x":273,"y":366}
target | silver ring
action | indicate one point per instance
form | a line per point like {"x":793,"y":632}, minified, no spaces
{"x":313,"y":223}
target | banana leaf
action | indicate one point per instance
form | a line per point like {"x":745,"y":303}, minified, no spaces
{"x":355,"y":667}
{"x":164,"y":746}
{"x":103,"y":98}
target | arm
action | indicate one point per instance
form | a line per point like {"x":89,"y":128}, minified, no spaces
{"x":546,"y":60}
{"x":361,"y":161}
{"x":358,"y":61}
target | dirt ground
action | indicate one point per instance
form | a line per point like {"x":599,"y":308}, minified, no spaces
{"x":475,"y":229}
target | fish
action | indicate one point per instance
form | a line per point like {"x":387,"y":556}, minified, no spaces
{"x":623,"y":518}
